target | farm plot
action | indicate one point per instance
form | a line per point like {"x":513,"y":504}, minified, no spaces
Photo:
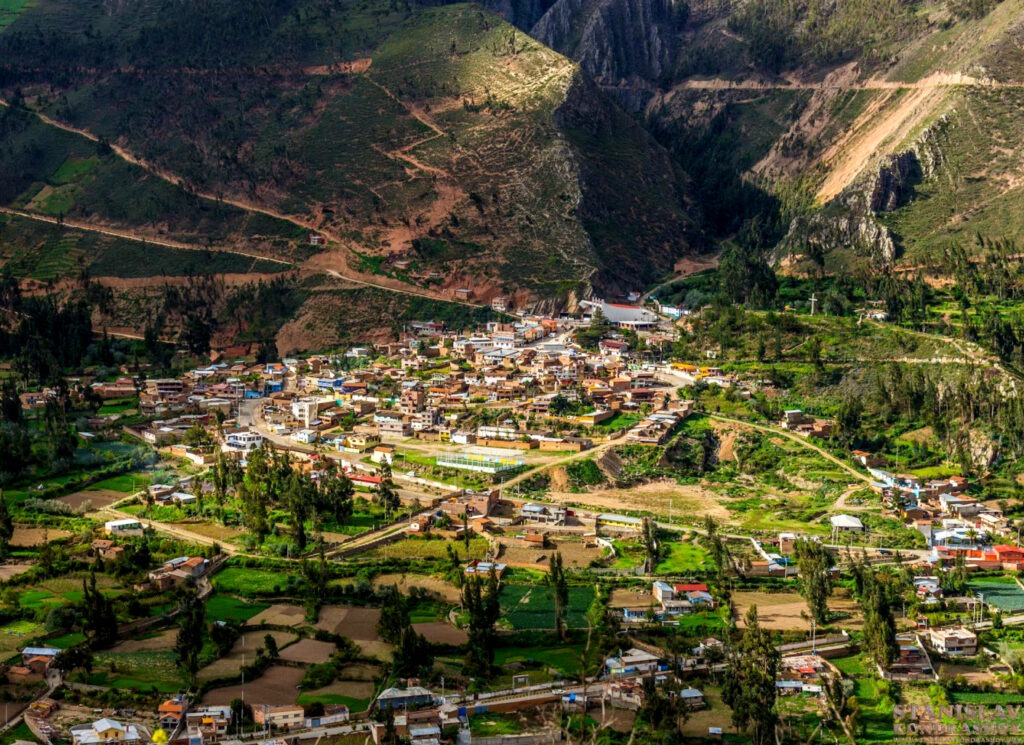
{"x":403,"y":582}
{"x":12,"y":570}
{"x":1002,"y":592}
{"x":30,"y":537}
{"x":533,"y":606}
{"x":227,"y":608}
{"x":242,"y":653}
{"x":253,"y":582}
{"x":93,"y":498}
{"x":574,"y":553}
{"x":355,"y":694}
{"x":309,"y":651}
{"x":160,"y":640}
{"x":13,"y":635}
{"x":439,"y":632}
{"x":783,"y":611}
{"x":137,"y":670}
{"x":279,"y":685}
{"x":280,"y":614}
{"x":359,"y":625}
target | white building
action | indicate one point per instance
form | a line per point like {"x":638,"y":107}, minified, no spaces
{"x":245,"y":441}
{"x":123,"y":527}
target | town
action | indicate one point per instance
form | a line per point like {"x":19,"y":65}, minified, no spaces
{"x":536,"y":530}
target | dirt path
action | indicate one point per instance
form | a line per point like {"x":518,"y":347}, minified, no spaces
{"x":933,"y":81}
{"x":335,"y":263}
{"x":803,"y":442}
{"x":129,"y":235}
{"x":842,"y":504}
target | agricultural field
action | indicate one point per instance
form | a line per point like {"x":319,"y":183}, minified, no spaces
{"x":141,"y":671}
{"x":533,"y":606}
{"x":249,"y":583}
{"x":403,"y":582}
{"x":682,"y":557}
{"x":277,"y":686}
{"x":426,"y":548}
{"x":227,"y":608}
{"x":243,"y":653}
{"x":1002,"y":592}
{"x":787,"y":611}
{"x":308,"y":651}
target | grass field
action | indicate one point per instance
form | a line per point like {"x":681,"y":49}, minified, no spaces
{"x":419,"y":548}
{"x":682,"y":558}
{"x":227,"y":608}
{"x":1002,"y":592}
{"x":252,"y":582}
{"x":533,"y":606}
{"x":142,"y":671}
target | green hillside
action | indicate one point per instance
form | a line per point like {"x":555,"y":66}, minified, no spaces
{"x":440,"y":136}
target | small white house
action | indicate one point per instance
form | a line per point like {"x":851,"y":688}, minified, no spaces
{"x":123,"y":527}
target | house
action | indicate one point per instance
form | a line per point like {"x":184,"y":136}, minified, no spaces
{"x":543,"y":513}
{"x":691,"y":699}
{"x":383,"y":454}
{"x":106,"y":549}
{"x":279,"y":717}
{"x":399,"y":698}
{"x":846,"y":524}
{"x":171,"y":712}
{"x":632,"y":662}
{"x":244,"y":441}
{"x":955,"y":642}
{"x":106,"y":731}
{"x":123,"y":527}
{"x":618,"y":522}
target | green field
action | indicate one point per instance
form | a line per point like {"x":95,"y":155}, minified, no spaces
{"x":1002,"y":592}
{"x":354,"y":704}
{"x":533,"y":606}
{"x":227,"y":608}
{"x":682,"y":558}
{"x":137,"y":670}
{"x":253,"y":582}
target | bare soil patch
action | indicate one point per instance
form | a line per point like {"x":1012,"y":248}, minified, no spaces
{"x":440,"y":632}
{"x":280,"y":615}
{"x":29,"y":537}
{"x":689,"y":499}
{"x":309,"y":651}
{"x":621,"y":598}
{"x":244,"y":652}
{"x":98,"y":498}
{"x":278,"y":686}
{"x":574,"y":553}
{"x":403,"y":582}
{"x":211,"y":530}
{"x":161,"y":641}
{"x":12,"y":570}
{"x":359,"y":672}
{"x":785,"y":611}
{"x":358,"y":624}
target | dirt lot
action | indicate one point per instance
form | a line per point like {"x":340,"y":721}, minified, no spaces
{"x":244,"y":649}
{"x":782,"y":611}
{"x":277,"y":686}
{"x":655,"y":497}
{"x":358,"y":624}
{"x":309,"y":651}
{"x":29,"y":537}
{"x":160,"y":641}
{"x":359,"y":672}
{"x":211,"y":530}
{"x":280,"y":615}
{"x":361,"y":689}
{"x":574,"y":553}
{"x":441,"y":633}
{"x":98,"y":498}
{"x":404,"y":581}
{"x":11,"y":570}
{"x":630,"y":599}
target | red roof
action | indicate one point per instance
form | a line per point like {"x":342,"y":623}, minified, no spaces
{"x":622,"y":305}
{"x":360,"y":478}
{"x":698,"y":587}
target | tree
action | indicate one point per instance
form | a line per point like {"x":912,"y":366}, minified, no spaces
{"x":6,"y":526}
{"x":191,"y":628}
{"x":560,"y":589}
{"x":749,"y":688}
{"x":99,"y":622}
{"x":394,"y":614}
{"x":73,"y":658}
{"x":483,"y":610}
{"x":387,"y":495}
{"x":649,"y":537}
{"x":413,"y":657}
{"x":336,"y":492}
{"x":196,"y":436}
{"x":270,"y":644}
{"x":815,"y":564}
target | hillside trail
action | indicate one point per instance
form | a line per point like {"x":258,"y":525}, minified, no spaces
{"x":137,"y":237}
{"x":335,"y":263}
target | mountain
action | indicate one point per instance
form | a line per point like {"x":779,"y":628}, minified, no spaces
{"x":417,"y":149}
{"x":853,"y":136}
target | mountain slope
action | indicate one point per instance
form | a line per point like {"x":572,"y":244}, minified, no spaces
{"x":430,"y":147}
